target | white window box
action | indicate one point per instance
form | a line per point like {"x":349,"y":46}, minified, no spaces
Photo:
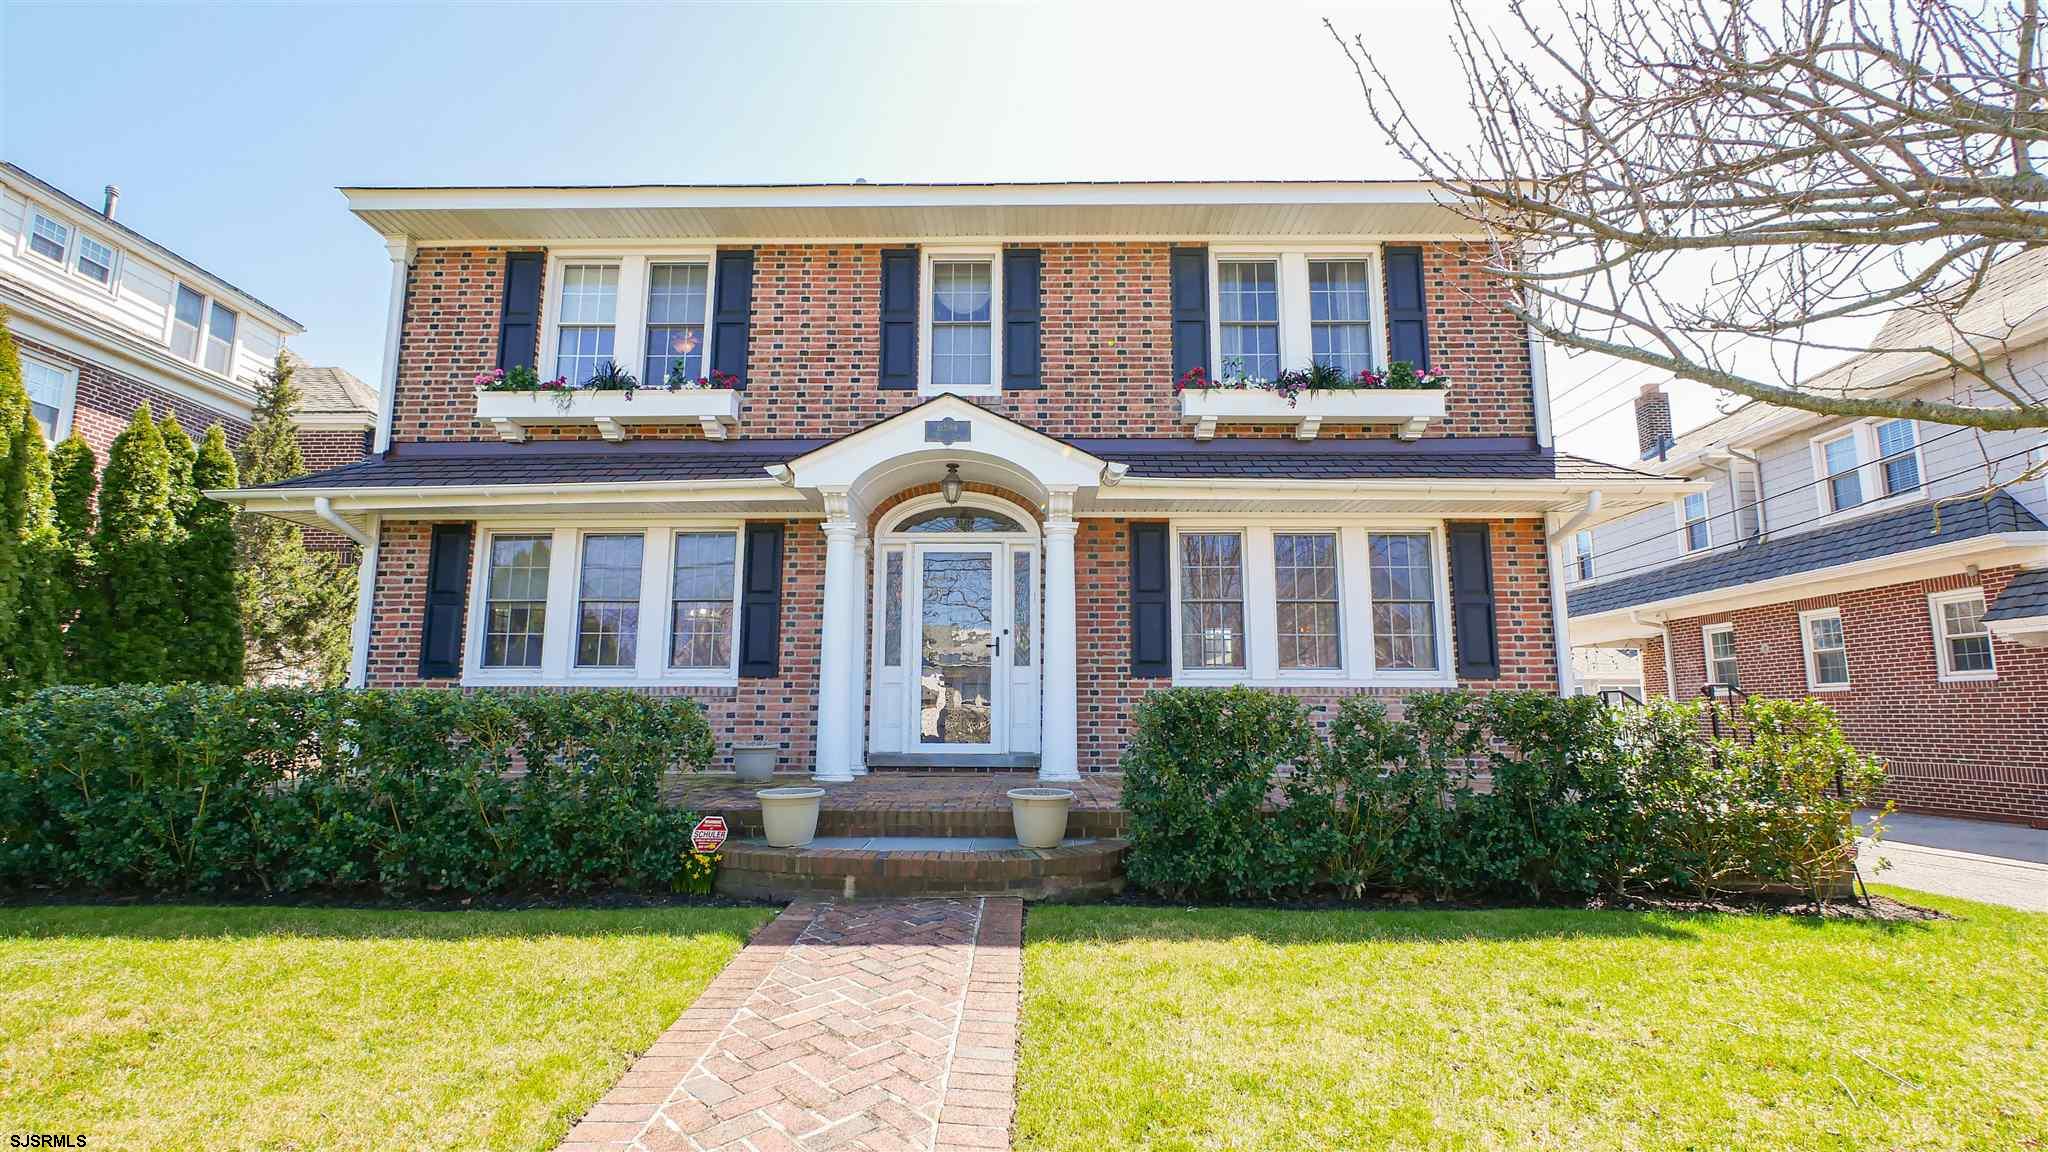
{"x":1410,"y":408}
{"x":716,"y":410}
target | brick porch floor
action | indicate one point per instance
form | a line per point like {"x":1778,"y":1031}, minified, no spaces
{"x":883,"y":1025}
{"x":906,"y":804}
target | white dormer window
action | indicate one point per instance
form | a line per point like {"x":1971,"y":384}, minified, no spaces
{"x":95,"y":261}
{"x":187,"y":316}
{"x":48,"y":238}
{"x":1694,"y":522}
{"x":962,"y":343}
{"x":1868,"y":462}
{"x":220,"y":339}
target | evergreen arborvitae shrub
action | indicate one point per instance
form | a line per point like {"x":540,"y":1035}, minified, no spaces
{"x":76,"y":479}
{"x":212,"y":648}
{"x":138,"y":615}
{"x":31,"y":619}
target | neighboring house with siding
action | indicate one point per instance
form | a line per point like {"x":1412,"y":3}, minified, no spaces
{"x":932,"y":496}
{"x":106,"y":319}
{"x":1850,"y":560}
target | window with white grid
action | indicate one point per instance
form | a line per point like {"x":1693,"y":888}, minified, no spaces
{"x":608,"y":601}
{"x":1248,"y":301}
{"x":49,"y":393}
{"x":1306,"y":605}
{"x":963,"y":323}
{"x":1340,"y":314}
{"x":1962,"y":640}
{"x":516,"y":600}
{"x":586,"y":319}
{"x":1719,"y":643}
{"x":1403,"y":572}
{"x":677,"y":295}
{"x":1901,"y":466}
{"x":1844,"y":477}
{"x":1827,"y":648}
{"x":1693,"y":511}
{"x":48,"y":238}
{"x":95,"y":260}
{"x":1212,"y":600}
{"x":1582,"y":550}
{"x":701,"y":591}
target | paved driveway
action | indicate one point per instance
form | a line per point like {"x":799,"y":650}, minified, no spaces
{"x":1974,"y":859}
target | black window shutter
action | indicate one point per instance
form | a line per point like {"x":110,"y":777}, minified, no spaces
{"x":1189,"y":271}
{"x":899,"y":318}
{"x":1472,"y":614}
{"x":519,"y":312}
{"x":1151,"y":637}
{"x":447,"y":588}
{"x":761,"y":602}
{"x":729,"y":315}
{"x":1021,"y":314}
{"x":1407,"y":307}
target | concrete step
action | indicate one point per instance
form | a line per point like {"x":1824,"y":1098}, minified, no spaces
{"x":849,"y":867}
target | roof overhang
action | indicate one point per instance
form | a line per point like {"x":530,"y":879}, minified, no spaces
{"x":2026,"y":631}
{"x":883,"y":213}
{"x":1640,"y":621}
{"x":762,"y":497}
{"x":1139,"y":496}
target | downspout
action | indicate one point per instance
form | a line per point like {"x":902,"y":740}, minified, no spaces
{"x":1584,"y":514}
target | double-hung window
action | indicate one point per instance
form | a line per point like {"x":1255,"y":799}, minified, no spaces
{"x":1306,"y":603}
{"x":1872,"y":460}
{"x":1842,"y":470}
{"x":1403,"y":570}
{"x":516,"y":600}
{"x":95,"y":260}
{"x":1693,"y":518}
{"x":1212,"y":600}
{"x":48,"y":238}
{"x":49,"y":395}
{"x":1900,"y":465}
{"x":1827,"y":649}
{"x":586,"y":321}
{"x":963,"y":324}
{"x":608,"y":601}
{"x":700,"y":626}
{"x":1962,"y":641}
{"x":677,"y":295}
{"x":187,"y":317}
{"x":1340,"y":314}
{"x":1248,"y":300}
{"x":1718,"y":641}
{"x":1582,"y":551}
{"x":220,"y":339}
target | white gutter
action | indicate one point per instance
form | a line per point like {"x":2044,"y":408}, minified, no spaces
{"x":1585,"y":514}
{"x":323,"y":507}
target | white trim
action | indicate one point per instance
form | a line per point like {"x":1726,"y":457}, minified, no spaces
{"x":1705,"y":521}
{"x":1560,"y":614}
{"x":1943,"y":670}
{"x":1355,"y":646}
{"x":928,"y":256}
{"x":366,"y":607}
{"x":1539,"y":386}
{"x":629,"y":309}
{"x":401,"y":253}
{"x":1707,"y":632}
{"x":47,"y":321}
{"x":558,"y":667}
{"x":1812,"y":654}
{"x":67,"y":403}
{"x":1869,"y":471}
{"x":1295,"y":323}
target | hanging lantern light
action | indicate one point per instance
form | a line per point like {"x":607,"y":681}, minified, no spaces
{"x":950,"y":486}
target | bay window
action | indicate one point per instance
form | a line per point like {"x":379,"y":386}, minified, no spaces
{"x":1306,"y":599}
{"x":1403,"y":602}
{"x":608,"y":611}
{"x":1248,"y":299}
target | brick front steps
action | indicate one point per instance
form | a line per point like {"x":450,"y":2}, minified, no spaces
{"x":902,"y":804}
{"x":1088,"y":869}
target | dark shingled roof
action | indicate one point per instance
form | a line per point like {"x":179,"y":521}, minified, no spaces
{"x":1863,"y":539}
{"x":2026,"y":597}
{"x":585,"y":462}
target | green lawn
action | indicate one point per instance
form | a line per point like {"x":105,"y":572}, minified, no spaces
{"x":196,"y":1027}
{"x":1224,"y":1029}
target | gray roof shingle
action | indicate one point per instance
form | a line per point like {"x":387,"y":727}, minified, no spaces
{"x":1867,"y":538}
{"x":328,"y":391}
{"x":585,"y":462}
{"x":2024,"y":598}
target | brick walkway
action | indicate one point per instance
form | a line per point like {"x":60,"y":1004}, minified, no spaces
{"x":885,"y":1025}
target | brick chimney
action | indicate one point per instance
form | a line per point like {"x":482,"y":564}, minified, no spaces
{"x":1653,"y":421}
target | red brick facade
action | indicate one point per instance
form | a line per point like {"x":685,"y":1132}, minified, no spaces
{"x":107,"y":401}
{"x":815,"y":335}
{"x":1974,"y":748}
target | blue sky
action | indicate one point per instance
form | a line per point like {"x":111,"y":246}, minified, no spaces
{"x":228,"y":128}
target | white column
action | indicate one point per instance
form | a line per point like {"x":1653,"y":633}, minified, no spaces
{"x":1560,"y":617}
{"x":1059,"y":709}
{"x":366,"y":604}
{"x":400,"y":250}
{"x":857,"y":734}
{"x":835,"y":650}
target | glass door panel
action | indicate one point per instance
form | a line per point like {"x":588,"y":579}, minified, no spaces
{"x":957,"y":647}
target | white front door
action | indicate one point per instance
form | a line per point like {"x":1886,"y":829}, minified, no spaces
{"x":957,"y":643}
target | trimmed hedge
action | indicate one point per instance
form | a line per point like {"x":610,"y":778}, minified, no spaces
{"x":191,"y":788}
{"x":1583,"y":800}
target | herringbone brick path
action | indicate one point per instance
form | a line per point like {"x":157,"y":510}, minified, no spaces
{"x":889,"y":1026}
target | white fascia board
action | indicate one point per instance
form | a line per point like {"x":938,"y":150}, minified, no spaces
{"x":1135,"y":194}
{"x":89,"y":338}
{"x":347,"y":499}
{"x":1989,"y":551}
{"x":1570,"y":495}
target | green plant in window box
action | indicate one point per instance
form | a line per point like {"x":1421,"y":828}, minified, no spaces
{"x":610,"y":377}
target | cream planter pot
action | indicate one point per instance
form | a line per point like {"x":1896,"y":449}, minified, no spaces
{"x":755,"y":763}
{"x":1040,"y":815}
{"x":1411,"y":409}
{"x":510,"y":414}
{"x":789,"y":816}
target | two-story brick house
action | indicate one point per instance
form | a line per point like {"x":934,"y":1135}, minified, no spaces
{"x":1857,"y":561}
{"x":106,"y":319}
{"x":932,"y":495}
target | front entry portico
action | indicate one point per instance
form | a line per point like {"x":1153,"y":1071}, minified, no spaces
{"x":950,"y":630}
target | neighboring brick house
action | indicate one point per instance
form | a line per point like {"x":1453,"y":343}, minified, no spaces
{"x":932,"y":497}
{"x":1858,"y":561}
{"x":106,"y":319}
